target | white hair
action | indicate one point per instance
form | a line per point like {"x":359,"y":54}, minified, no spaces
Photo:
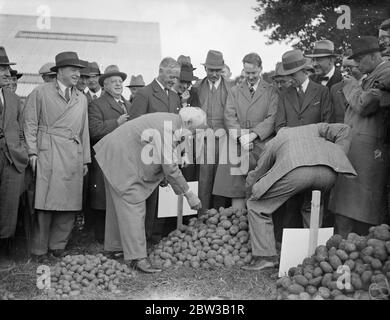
{"x":194,"y":114}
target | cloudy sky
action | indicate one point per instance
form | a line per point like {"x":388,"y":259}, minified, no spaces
{"x":189,"y":27}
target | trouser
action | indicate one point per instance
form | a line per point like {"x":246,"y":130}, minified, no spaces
{"x":260,"y":211}
{"x":10,"y":188}
{"x":125,"y":225}
{"x":98,"y":219}
{"x":345,"y":225}
{"x":51,"y":230}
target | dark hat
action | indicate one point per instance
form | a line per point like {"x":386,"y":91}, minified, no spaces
{"x":184,"y":59}
{"x":364,"y":45}
{"x":111,"y":71}
{"x":278,"y":70}
{"x":66,"y":59}
{"x":214,"y":60}
{"x":94,"y":69}
{"x":385,"y":25}
{"x":15,"y":73}
{"x":4,"y":58}
{"x":186,"y":73}
{"x":293,"y":61}
{"x":136,"y":81}
{"x":85,"y":71}
{"x":45,"y":69}
{"x":322,"y":48}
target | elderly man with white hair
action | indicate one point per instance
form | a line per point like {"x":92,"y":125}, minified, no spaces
{"x":135,"y":158}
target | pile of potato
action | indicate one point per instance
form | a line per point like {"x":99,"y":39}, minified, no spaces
{"x":75,"y":274}
{"x":216,"y":239}
{"x":368,"y":259}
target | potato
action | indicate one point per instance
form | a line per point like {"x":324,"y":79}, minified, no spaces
{"x":296,"y":289}
{"x":326,"y":267}
{"x":315,"y":281}
{"x":342,"y":255}
{"x":326,"y":279}
{"x":311,"y":289}
{"x":334,"y":241}
{"x":366,"y":276}
{"x":324,"y":292}
{"x":301,"y":280}
{"x":334,"y":261}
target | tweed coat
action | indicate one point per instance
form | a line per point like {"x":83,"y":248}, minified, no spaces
{"x":364,"y":198}
{"x":316,"y":107}
{"x":315,"y":144}
{"x":57,"y":132}
{"x":103,"y":113}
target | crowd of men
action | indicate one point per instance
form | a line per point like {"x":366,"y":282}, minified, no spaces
{"x":315,"y":126}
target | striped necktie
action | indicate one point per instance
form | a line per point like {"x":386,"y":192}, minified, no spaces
{"x":252,"y":91}
{"x":67,"y":94}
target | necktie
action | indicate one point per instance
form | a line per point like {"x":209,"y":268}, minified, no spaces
{"x":301,"y":96}
{"x":167,"y":92}
{"x":67,"y":94}
{"x":252,"y":91}
{"x":122,"y":106}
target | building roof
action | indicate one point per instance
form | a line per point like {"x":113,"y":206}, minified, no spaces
{"x":134,"y":46}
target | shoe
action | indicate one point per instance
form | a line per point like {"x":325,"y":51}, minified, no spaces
{"x":58,"y":253}
{"x":115,"y":255}
{"x":260,"y":264}
{"x":40,"y":259}
{"x":143,"y":265}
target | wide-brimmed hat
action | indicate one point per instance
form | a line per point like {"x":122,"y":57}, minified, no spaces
{"x":111,"y":71}
{"x":186,"y":73}
{"x":185,"y":59}
{"x":214,"y":60}
{"x":45,"y":69}
{"x":67,"y":59}
{"x":385,"y":25}
{"x":364,"y":45}
{"x":136,"y":81}
{"x":94,"y":69}
{"x":278,"y":70}
{"x":4,"y":58}
{"x":293,"y":61}
{"x":15,"y":73}
{"x":322,"y":48}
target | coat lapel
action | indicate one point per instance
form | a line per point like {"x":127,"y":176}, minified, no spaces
{"x":259,"y":91}
{"x":310,"y":93}
{"x":8,"y":106}
{"x":113,"y":104}
{"x":244,"y":89}
{"x":159,"y":94}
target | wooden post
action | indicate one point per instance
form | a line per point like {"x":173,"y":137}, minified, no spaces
{"x":314,"y":221}
{"x":179,"y":211}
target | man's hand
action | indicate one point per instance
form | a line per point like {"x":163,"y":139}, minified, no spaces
{"x":85,"y":169}
{"x":185,"y":96}
{"x":122,"y":119}
{"x":33,"y":163}
{"x":164,"y":183}
{"x":193,"y":201}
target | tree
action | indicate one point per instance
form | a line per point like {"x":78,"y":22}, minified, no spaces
{"x":308,"y":21}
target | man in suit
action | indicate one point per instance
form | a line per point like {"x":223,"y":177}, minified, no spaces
{"x":323,"y":57}
{"x":213,"y":94}
{"x":84,"y":75}
{"x":105,"y":114}
{"x":45,"y":72}
{"x":297,"y":159}
{"x":131,"y":174}
{"x":361,"y":203}
{"x":251,"y":106}
{"x":136,"y":82}
{"x":158,"y":97}
{"x":94,"y":87}
{"x":13,"y":157}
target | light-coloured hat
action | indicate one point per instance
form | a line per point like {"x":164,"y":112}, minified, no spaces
{"x":322,"y":48}
{"x":278,"y":70}
{"x":214,"y":60}
{"x":293,"y":61}
{"x":136,"y":81}
{"x":45,"y":69}
{"x":111,"y":70}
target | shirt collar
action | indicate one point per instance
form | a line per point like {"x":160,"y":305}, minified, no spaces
{"x":97,"y":93}
{"x":162,"y":87}
{"x":216,"y":84}
{"x":62,"y":86}
{"x":304,"y":84}
{"x":255,"y":85}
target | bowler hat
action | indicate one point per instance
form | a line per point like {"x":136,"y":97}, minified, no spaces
{"x":4,"y":58}
{"x":322,"y":48}
{"x":214,"y":60}
{"x":293,"y":61}
{"x":136,"y":81}
{"x":15,"y":73}
{"x":67,"y":59}
{"x":186,"y":73}
{"x":364,"y":45}
{"x":111,"y":70}
{"x":94,"y":69}
{"x":385,"y":25}
{"x":45,"y":69}
{"x":184,"y":59}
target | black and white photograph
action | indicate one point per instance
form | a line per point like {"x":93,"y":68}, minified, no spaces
{"x":194,"y":155}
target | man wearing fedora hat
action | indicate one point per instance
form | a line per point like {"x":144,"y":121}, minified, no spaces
{"x":136,"y":82}
{"x":13,"y":157}
{"x":361,"y":203}
{"x":45,"y":72}
{"x":158,"y":97}
{"x":323,"y":57}
{"x":282,"y":82}
{"x":105,"y":114}
{"x":305,"y":102}
{"x":94,"y":88}
{"x":84,"y":75}
{"x":213,"y":94}
{"x":13,"y":83}
{"x":57,"y":136}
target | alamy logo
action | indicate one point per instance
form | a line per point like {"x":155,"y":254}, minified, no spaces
{"x":43,"y":277}
{"x":344,"y":281}
{"x":44,"y":17}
